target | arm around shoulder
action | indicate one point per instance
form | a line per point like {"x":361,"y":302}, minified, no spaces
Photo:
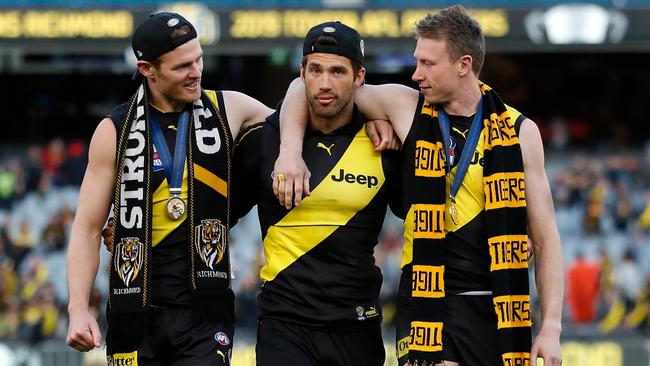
{"x":391,"y":102}
{"x":292,"y":178}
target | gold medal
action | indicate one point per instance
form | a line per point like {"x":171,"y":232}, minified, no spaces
{"x":453,"y":212}
{"x":175,"y":208}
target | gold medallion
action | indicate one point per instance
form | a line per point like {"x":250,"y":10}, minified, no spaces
{"x":175,"y":208}
{"x":453,"y":212}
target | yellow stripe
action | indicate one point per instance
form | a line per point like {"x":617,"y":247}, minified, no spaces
{"x":213,"y":96}
{"x":470,"y":199}
{"x":407,"y":248}
{"x":248,"y":132}
{"x":331,"y":205}
{"x":211,"y":180}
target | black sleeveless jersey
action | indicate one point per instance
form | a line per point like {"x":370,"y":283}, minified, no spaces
{"x":320,"y":268}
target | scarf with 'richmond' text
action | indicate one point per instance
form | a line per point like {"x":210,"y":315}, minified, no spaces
{"x":208,"y":164}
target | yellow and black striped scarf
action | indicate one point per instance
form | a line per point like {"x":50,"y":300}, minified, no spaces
{"x":208,"y":162}
{"x":506,"y":227}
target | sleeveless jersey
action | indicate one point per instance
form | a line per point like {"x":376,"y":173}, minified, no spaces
{"x":320,"y":268}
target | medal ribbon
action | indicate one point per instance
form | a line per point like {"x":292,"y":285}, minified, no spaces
{"x":173,"y":169}
{"x":468,"y":150}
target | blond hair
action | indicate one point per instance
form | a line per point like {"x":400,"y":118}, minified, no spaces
{"x":461,"y":33}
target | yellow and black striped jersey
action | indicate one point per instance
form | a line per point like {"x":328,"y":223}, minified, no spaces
{"x":320,"y":268}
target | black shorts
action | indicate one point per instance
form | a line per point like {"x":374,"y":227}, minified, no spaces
{"x":173,"y":339}
{"x":469,"y":335}
{"x":470,"y":332}
{"x":282,"y":343}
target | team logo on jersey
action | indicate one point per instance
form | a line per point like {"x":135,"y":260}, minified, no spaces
{"x":359,"y":310}
{"x":210,"y":241}
{"x":367,"y":180}
{"x":326,"y":148}
{"x":222,"y":338}
{"x":128,"y":259}
{"x":366,"y":313}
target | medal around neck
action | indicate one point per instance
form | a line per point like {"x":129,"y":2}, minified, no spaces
{"x":465,"y":156}
{"x":453,"y":212}
{"x":173,"y":166}
{"x":175,"y":208}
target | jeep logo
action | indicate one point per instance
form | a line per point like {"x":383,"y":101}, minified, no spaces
{"x":369,"y":180}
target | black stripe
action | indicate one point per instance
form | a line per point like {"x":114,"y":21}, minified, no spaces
{"x":518,"y":123}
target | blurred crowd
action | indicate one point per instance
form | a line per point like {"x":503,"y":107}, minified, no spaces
{"x":602,"y":202}
{"x":603,"y":207}
{"x":37,"y":200}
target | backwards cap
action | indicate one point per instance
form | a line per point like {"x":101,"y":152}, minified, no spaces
{"x":153,"y":38}
{"x":348,"y":42}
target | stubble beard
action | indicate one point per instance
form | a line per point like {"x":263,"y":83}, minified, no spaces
{"x":327,"y":112}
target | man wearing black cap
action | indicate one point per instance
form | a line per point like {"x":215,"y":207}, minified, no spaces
{"x":319,"y":301}
{"x":163,"y":160}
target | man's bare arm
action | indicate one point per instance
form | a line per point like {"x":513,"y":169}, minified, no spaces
{"x":395,"y":103}
{"x":83,"y":251}
{"x":549,"y":267}
{"x":292,"y":176}
{"x":392,"y":102}
{"x":243,"y":110}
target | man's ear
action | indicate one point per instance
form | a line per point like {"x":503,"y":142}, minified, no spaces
{"x":145,"y":68}
{"x":360,"y":77}
{"x":465,"y":65}
{"x":302,"y":72}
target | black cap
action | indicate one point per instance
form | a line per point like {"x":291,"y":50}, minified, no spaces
{"x":348,"y":41}
{"x":152,"y":38}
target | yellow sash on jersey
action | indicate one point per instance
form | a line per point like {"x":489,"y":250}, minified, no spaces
{"x":305,"y":226}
